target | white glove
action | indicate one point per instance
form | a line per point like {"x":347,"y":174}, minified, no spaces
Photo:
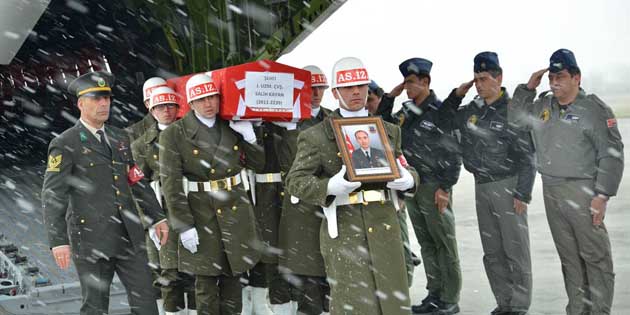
{"x":245,"y":128}
{"x":190,"y":240}
{"x":405,"y":181}
{"x":338,"y":186}
{"x":154,"y":237}
{"x":285,"y":124}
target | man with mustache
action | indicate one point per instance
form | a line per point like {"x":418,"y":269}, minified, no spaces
{"x":580,"y":158}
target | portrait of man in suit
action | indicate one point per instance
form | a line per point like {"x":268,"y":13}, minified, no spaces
{"x":367,"y":156}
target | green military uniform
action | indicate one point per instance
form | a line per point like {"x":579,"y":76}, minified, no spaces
{"x":135,"y":131}
{"x":269,"y":192}
{"x":299,"y":234}
{"x":217,"y":206}
{"x":89,"y":205}
{"x":579,"y":154}
{"x":365,"y":263}
{"x":173,"y":284}
{"x":140,"y":127}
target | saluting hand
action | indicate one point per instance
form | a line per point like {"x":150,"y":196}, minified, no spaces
{"x":536,"y":78}
{"x":463,"y":88}
{"x":62,"y":256}
{"x":520,"y":206}
{"x":397,"y":90}
{"x":598,"y":210}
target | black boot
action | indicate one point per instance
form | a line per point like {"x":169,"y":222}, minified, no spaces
{"x":428,"y":306}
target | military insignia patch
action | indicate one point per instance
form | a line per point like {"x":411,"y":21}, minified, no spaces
{"x":83,"y":136}
{"x":545,"y":115}
{"x":101,"y":82}
{"x":53,"y":163}
{"x":473,"y":119}
{"x":612,"y":122}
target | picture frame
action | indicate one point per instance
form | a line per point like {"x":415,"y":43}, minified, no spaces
{"x":365,"y":149}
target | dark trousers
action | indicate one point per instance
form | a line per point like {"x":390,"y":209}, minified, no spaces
{"x":96,"y":275}
{"x":267,"y":276}
{"x":218,"y":295}
{"x":311,"y":294}
{"x":174,"y":286}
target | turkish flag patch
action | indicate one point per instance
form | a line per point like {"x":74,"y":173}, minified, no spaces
{"x":135,"y":175}
{"x":612,"y":122}
{"x":403,"y":161}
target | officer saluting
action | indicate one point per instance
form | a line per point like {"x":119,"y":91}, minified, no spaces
{"x":207,"y":203}
{"x":89,"y":208}
{"x":501,"y":158}
{"x":580,"y":157}
{"x":360,"y":241}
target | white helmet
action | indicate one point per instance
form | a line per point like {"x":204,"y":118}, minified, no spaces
{"x":200,"y":86}
{"x":349,"y":71}
{"x":162,"y":95}
{"x":318,"y":78}
{"x":151,"y":84}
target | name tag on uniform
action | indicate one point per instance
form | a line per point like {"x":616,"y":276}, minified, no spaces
{"x":427,"y":125}
{"x":497,"y":125}
{"x":572,"y":117}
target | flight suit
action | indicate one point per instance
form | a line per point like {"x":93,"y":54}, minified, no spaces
{"x":173,"y":284}
{"x":207,"y":162}
{"x":579,"y":155}
{"x":430,"y":147}
{"x":89,"y":204}
{"x":364,"y":263}
{"x":501,"y":158}
{"x":301,"y":258}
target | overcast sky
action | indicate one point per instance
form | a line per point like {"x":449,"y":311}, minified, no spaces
{"x":450,"y":33}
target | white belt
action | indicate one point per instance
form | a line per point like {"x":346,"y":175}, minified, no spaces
{"x":212,"y":185}
{"x":157,"y":190}
{"x":269,"y":178}
{"x":360,"y":197}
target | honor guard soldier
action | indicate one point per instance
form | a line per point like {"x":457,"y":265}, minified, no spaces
{"x":264,"y":279}
{"x":360,"y":239}
{"x":174,"y":285}
{"x":580,"y":157}
{"x":201,"y":159}
{"x":501,"y":158}
{"x":139,"y":128}
{"x":89,"y":196}
{"x":431,"y":148}
{"x":381,"y":104}
{"x":301,"y":258}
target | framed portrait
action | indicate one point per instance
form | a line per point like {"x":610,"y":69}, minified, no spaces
{"x":365,"y":149}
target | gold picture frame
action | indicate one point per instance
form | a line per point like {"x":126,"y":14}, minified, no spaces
{"x":365,"y":149}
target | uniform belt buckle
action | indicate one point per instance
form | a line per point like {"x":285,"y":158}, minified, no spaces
{"x":353,"y":198}
{"x":214,"y":185}
{"x":372,"y":196}
{"x":269,"y":177}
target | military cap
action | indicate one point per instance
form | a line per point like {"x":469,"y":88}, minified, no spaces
{"x":373,"y":87}
{"x":486,"y":61}
{"x":562,"y":59}
{"x":98,"y":83}
{"x":415,"y":66}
